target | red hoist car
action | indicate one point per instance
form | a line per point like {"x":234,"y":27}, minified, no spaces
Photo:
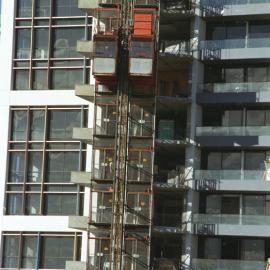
{"x":142,"y":45}
{"x":106,"y":44}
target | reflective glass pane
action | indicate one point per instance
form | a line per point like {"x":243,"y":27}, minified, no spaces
{"x":60,"y":204}
{"x":232,"y":118}
{"x":29,"y":252}
{"x":11,"y":251}
{"x":258,"y":30}
{"x":234,"y":75}
{"x":65,"y":42}
{"x":56,"y":251}
{"x":24,"y":8}
{"x":42,"y":8}
{"x":231,"y":161}
{"x":60,"y":165}
{"x":65,"y":79}
{"x":21,"y":80}
{"x":141,"y":49}
{"x":34,"y":167}
{"x":19,"y":122}
{"x":254,"y":205}
{"x":212,"y":248}
{"x":14,"y":204}
{"x":40,"y":80}
{"x":41,"y":43}
{"x":257,"y":74}
{"x":253,"y":250}
{"x":23,"y":42}
{"x":254,"y":160}
{"x":64,"y":8}
{"x":214,"y":161}
{"x":255,"y":118}
{"x":61,"y":123}
{"x":16,"y":167}
{"x":105,"y":49}
{"x":32,"y":204}
{"x":37,"y":125}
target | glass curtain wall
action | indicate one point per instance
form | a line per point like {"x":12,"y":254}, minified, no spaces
{"x":46,"y":34}
{"x":42,"y":155}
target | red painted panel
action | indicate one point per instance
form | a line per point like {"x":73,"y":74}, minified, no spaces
{"x":143,"y":24}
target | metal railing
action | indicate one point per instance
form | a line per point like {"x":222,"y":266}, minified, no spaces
{"x":241,"y":175}
{"x":233,"y":131}
{"x":235,"y":87}
{"x":210,"y":264}
{"x":231,"y":219}
{"x":235,"y":43}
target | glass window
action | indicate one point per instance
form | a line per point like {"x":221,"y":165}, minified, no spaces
{"x":105,"y":49}
{"x":60,"y":164}
{"x":56,"y":251}
{"x":60,"y":204}
{"x":19,"y":122}
{"x":10,"y":251}
{"x":62,"y":122}
{"x":40,"y":80}
{"x":21,"y":80}
{"x":16,"y":167}
{"x":24,"y":8}
{"x":37,"y":125}
{"x":254,"y":205}
{"x":65,"y":79}
{"x":255,"y":118}
{"x":231,"y":161}
{"x":141,"y":49}
{"x":212,"y":248}
{"x":252,"y":250}
{"x":213,"y":204}
{"x":29,"y":252}
{"x":23,"y":41}
{"x":259,"y":30}
{"x":233,"y":75}
{"x":214,"y":161}
{"x":232,"y":118}
{"x":257,"y":74}
{"x":65,"y":42}
{"x":32,"y":204}
{"x":267,"y":117}
{"x":34,"y":167}
{"x":254,"y":160}
{"x":41,"y":43}
{"x":64,"y":8}
{"x":236,"y":31}
{"x":42,"y":8}
{"x":14,"y":204}
{"x":216,"y":32}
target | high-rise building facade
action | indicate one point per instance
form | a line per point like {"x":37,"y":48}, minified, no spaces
{"x":135,"y":134}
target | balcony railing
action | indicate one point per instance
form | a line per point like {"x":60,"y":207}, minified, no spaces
{"x":233,"y":131}
{"x":209,"y":264}
{"x":232,"y":2}
{"x":235,"y":87}
{"x":231,"y":219}
{"x":241,"y":175}
{"x":235,"y":43}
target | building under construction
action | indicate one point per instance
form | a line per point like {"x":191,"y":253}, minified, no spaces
{"x":141,"y":62}
{"x":161,"y":159}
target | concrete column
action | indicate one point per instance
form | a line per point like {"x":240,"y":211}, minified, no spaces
{"x":192,"y":159}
